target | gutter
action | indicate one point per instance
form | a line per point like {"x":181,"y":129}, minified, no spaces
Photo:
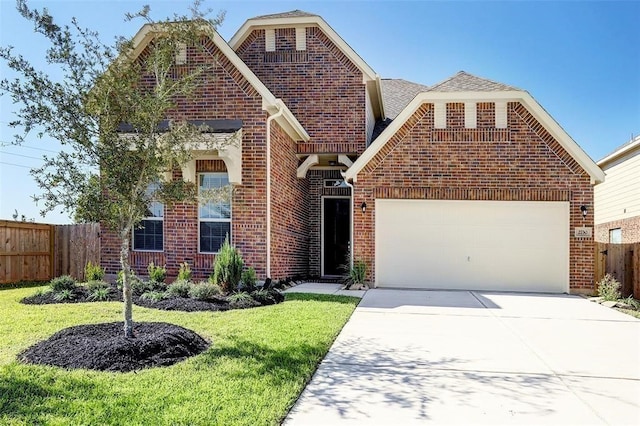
{"x":268,"y":141}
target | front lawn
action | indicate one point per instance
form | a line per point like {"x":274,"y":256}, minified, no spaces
{"x":253,"y":372}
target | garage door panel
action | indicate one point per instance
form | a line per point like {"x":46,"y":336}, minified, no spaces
{"x":488,"y":245}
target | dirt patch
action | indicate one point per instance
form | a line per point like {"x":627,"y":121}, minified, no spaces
{"x":103,"y":347}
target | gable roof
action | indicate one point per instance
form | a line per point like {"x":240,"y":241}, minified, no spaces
{"x":397,"y":93}
{"x":270,"y":103}
{"x":465,"y":82}
{"x":431,"y":96}
{"x":298,"y":18}
{"x":626,"y":148}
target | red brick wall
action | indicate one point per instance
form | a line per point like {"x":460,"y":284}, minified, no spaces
{"x":320,"y":85}
{"x":289,"y":209}
{"x":521,"y":163}
{"x":629,"y":227}
{"x":224,"y":94}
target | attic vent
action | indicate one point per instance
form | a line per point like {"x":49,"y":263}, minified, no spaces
{"x":440,"y":115}
{"x":470,"y":115}
{"x":301,"y":39}
{"x":270,"y":40}
{"x":501,"y":115}
{"x":181,"y":54}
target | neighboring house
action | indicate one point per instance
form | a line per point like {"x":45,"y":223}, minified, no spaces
{"x":617,"y":200}
{"x":466,"y":184}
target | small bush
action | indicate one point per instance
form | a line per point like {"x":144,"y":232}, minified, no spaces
{"x":100,"y":294}
{"x":249,"y":279}
{"x":157,"y":273}
{"x":267,"y":297}
{"x":239,"y":297}
{"x":227,"y":270}
{"x":179,"y":288}
{"x":120,"y":278}
{"x":635,"y":304}
{"x":154,"y":296}
{"x":184,"y":273}
{"x":358,"y":273}
{"x":64,"y":294}
{"x":139,"y":287}
{"x":42,"y":291}
{"x":93,"y":272}
{"x":609,"y":288}
{"x":96,"y":284}
{"x":204,"y":291}
{"x":65,"y":282}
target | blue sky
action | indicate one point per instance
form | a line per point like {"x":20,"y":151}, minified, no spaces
{"x":579,"y":59}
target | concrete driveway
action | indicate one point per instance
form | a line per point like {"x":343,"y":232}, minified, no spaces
{"x":416,"y":357}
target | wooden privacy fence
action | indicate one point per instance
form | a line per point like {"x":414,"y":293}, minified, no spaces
{"x":39,"y":252}
{"x":26,"y":251}
{"x":623,"y":262}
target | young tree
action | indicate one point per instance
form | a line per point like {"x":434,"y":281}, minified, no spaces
{"x":103,"y":174}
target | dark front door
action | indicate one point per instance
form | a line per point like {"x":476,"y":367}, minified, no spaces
{"x":336,"y":235}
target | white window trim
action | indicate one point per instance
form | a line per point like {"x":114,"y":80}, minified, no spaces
{"x":200,"y":220}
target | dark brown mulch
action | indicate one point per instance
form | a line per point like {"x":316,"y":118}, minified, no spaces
{"x":80,"y":295}
{"x":103,"y":347}
{"x":184,"y":304}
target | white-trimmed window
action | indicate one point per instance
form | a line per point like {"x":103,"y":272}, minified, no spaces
{"x":149,"y":234}
{"x":615,"y":236}
{"x":214,"y":212}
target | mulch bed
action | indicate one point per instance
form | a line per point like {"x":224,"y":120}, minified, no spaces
{"x":103,"y":347}
{"x":172,"y":304}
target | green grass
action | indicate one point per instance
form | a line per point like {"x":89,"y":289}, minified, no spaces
{"x":631,"y":312}
{"x":258,"y":364}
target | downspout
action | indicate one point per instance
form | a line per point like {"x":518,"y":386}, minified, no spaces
{"x":268,"y":141}
{"x":351,"y":242}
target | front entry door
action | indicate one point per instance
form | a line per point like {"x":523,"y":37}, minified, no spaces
{"x":336,"y":234}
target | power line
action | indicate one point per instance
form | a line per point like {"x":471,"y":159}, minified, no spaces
{"x":7,"y":144}
{"x":20,"y":155}
{"x":16,"y":165}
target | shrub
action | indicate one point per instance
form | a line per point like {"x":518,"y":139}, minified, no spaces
{"x":184,"y":273}
{"x":153,"y":295}
{"x":96,"y":284}
{"x":227,"y":270}
{"x":358,"y":273}
{"x":239,"y":297}
{"x":609,"y":288}
{"x":267,"y":297}
{"x":635,"y":304}
{"x":93,"y":272}
{"x":139,"y":287}
{"x":65,"y":282}
{"x":64,"y":294}
{"x":179,"y":288}
{"x":100,"y":293}
{"x":156,"y":273}
{"x":204,"y":291}
{"x":249,"y":279}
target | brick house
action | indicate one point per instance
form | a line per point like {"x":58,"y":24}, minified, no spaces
{"x":465,"y":184}
{"x":617,"y":200}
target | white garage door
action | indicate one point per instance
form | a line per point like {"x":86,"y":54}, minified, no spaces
{"x":474,"y":245}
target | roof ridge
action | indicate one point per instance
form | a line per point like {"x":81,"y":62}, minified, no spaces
{"x":289,"y":14}
{"x":464,"y":81}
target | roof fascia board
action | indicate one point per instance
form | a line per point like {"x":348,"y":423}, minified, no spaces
{"x":293,"y":127}
{"x":596,"y":174}
{"x":620,"y":152}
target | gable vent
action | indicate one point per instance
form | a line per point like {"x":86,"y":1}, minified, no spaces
{"x":470,"y":115}
{"x":501,"y":115}
{"x":181,"y":54}
{"x":440,"y":115}
{"x":301,"y":39}
{"x":270,"y":40}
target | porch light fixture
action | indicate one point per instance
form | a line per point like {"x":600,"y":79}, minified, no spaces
{"x":363,"y":206}
{"x":583,"y":209}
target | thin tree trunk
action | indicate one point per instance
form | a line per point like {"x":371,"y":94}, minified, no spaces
{"x":126,"y":283}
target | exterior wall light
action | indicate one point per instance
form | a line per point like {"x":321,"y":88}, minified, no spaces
{"x":363,"y":206}
{"x":583,"y":209}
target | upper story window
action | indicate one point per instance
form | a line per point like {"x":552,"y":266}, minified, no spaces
{"x":149,"y":234}
{"x":214,"y":211}
{"x":615,"y":236}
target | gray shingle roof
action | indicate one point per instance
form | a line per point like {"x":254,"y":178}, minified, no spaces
{"x":465,"y":82}
{"x":397,"y":93}
{"x":291,"y":14}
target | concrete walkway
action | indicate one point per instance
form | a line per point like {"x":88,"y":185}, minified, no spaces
{"x":435,"y":357}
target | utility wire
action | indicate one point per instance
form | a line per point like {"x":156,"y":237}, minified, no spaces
{"x":8,"y":144}
{"x":20,"y":155}
{"x":16,"y":165}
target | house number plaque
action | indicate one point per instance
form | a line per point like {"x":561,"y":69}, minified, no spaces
{"x":583,"y":232}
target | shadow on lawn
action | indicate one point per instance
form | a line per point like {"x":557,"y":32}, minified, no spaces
{"x":32,"y":396}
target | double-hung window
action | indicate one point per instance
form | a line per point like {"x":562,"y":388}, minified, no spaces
{"x":149,"y":235}
{"x":214,"y":211}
